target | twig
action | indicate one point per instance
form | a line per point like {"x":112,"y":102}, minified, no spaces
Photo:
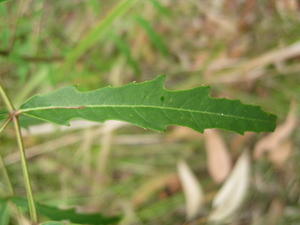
{"x":257,"y":64}
{"x":59,"y":143}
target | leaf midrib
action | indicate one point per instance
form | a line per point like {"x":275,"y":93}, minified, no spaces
{"x":27,"y":110}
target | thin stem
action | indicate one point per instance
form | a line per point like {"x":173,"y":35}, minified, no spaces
{"x":4,"y":125}
{"x":14,"y":117}
{"x":32,"y":208}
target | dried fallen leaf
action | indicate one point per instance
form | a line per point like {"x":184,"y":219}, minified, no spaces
{"x":219,"y":160}
{"x":192,"y":190}
{"x":229,"y":199}
{"x":273,"y":140}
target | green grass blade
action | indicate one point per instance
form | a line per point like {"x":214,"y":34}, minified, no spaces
{"x":4,"y":213}
{"x":161,"y":8}
{"x":56,"y":223}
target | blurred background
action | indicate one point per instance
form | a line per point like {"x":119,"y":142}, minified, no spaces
{"x":244,"y":49}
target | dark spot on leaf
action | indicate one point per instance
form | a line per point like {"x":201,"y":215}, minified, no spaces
{"x":162,"y":98}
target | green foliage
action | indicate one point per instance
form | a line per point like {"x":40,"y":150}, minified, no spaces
{"x":149,"y":105}
{"x":161,"y":8}
{"x":56,"y":223}
{"x":66,"y":214}
{"x":4,"y":213}
{"x":53,"y":223}
{"x":201,"y":48}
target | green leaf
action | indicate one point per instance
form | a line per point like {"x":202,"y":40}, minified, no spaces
{"x":161,"y":8}
{"x":4,"y":212}
{"x":52,"y":223}
{"x":56,"y":223}
{"x":66,"y":214}
{"x":27,"y":121}
{"x":149,"y":105}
